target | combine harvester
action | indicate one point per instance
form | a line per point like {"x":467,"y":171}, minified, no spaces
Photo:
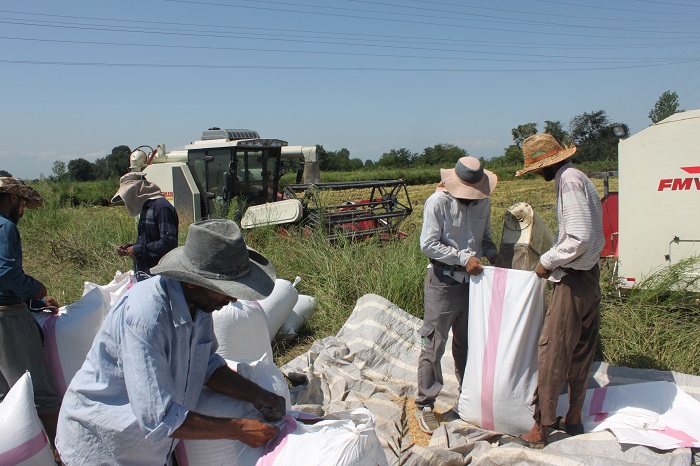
{"x":238,"y":165}
{"x":653,"y":221}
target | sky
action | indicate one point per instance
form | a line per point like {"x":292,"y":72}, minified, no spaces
{"x":81,"y":77}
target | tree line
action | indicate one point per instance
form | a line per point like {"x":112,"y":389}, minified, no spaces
{"x":590,"y":132}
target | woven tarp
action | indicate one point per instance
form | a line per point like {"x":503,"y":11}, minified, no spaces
{"x":371,"y":363}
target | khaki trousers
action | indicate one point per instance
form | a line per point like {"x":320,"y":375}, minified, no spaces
{"x":567,"y":344}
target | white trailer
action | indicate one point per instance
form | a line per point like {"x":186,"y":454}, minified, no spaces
{"x":659,"y":196}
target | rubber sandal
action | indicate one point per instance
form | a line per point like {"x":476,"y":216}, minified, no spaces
{"x":571,"y":429}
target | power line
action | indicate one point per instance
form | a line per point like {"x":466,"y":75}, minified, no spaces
{"x":422,"y":22}
{"x":335,"y":68}
{"x":557,"y":58}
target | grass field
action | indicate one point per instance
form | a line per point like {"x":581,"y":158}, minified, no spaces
{"x":66,"y":246}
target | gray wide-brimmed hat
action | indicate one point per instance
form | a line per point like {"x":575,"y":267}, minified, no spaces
{"x":468,"y":179}
{"x":216,"y":257}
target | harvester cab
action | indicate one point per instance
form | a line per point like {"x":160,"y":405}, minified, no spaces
{"x":237,"y":165}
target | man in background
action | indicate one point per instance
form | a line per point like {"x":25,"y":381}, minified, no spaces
{"x":157,"y":227}
{"x":456,"y":234}
{"x":21,"y":343}
{"x":568,"y":340}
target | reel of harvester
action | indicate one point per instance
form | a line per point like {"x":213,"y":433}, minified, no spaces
{"x":355,"y":209}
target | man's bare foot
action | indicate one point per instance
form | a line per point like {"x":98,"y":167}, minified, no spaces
{"x":538,"y":434}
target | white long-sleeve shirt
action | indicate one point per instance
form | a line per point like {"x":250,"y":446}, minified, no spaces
{"x":580,"y":238}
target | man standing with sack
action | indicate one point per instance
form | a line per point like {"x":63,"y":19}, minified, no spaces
{"x":568,"y":340}
{"x":135,"y":395}
{"x":456,"y":234}
{"x":158,"y":222}
{"x":21,"y":343}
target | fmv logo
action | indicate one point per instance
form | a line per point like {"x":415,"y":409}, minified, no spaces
{"x":682,"y":184}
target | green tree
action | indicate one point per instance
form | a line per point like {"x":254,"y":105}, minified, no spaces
{"x":59,"y":170}
{"x":5,"y":173}
{"x":338,"y":160}
{"x":441,"y":155}
{"x":666,"y":106}
{"x":523,"y":132}
{"x":118,"y":161}
{"x":355,"y":164}
{"x":397,"y":158}
{"x":100,"y":169}
{"x":592,"y":134}
{"x":512,"y":155}
{"x":554,"y":128}
{"x":80,"y":170}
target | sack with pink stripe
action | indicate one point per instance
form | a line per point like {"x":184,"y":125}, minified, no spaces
{"x":506,"y":312}
{"x":22,"y":441}
{"x":68,"y":336}
{"x":344,"y":438}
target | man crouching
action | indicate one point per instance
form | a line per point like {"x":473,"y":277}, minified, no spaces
{"x":133,"y":398}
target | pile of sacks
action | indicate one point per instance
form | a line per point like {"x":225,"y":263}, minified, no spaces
{"x":344,"y":438}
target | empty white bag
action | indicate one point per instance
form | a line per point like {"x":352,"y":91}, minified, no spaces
{"x":506,"y":312}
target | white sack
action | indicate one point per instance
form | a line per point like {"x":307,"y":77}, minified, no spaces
{"x":241,"y":330}
{"x":344,"y":438}
{"x":68,"y":336}
{"x":114,"y":290}
{"x":506,"y":312}
{"x":655,"y":414}
{"x":278,"y":305}
{"x":219,"y":452}
{"x":22,"y":441}
{"x":301,"y":312}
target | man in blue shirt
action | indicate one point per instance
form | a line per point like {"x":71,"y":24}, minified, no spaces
{"x":157,"y":227}
{"x":21,"y":344}
{"x":135,"y":395}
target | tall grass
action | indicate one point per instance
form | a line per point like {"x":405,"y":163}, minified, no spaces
{"x":656,"y":327}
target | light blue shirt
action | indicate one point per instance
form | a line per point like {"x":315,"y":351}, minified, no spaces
{"x":453,"y":232}
{"x":144,"y":372}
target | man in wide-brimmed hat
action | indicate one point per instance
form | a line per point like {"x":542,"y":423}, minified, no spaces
{"x":568,"y":340}
{"x":158,"y":222}
{"x":21,"y":344}
{"x":456,"y":234}
{"x":134,"y":396}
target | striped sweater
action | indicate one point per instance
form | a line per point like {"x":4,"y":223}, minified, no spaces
{"x":580,"y":238}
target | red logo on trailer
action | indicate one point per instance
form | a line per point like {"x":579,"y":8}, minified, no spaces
{"x":682,"y":184}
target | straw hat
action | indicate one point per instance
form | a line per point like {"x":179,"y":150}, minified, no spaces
{"x":542,"y":150}
{"x":216,"y":257}
{"x":468,"y":179}
{"x":14,"y":186}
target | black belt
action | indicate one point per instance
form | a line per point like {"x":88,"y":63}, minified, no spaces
{"x":575,"y":271}
{"x":442,"y":265}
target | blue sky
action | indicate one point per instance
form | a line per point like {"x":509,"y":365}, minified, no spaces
{"x":81,"y":77}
